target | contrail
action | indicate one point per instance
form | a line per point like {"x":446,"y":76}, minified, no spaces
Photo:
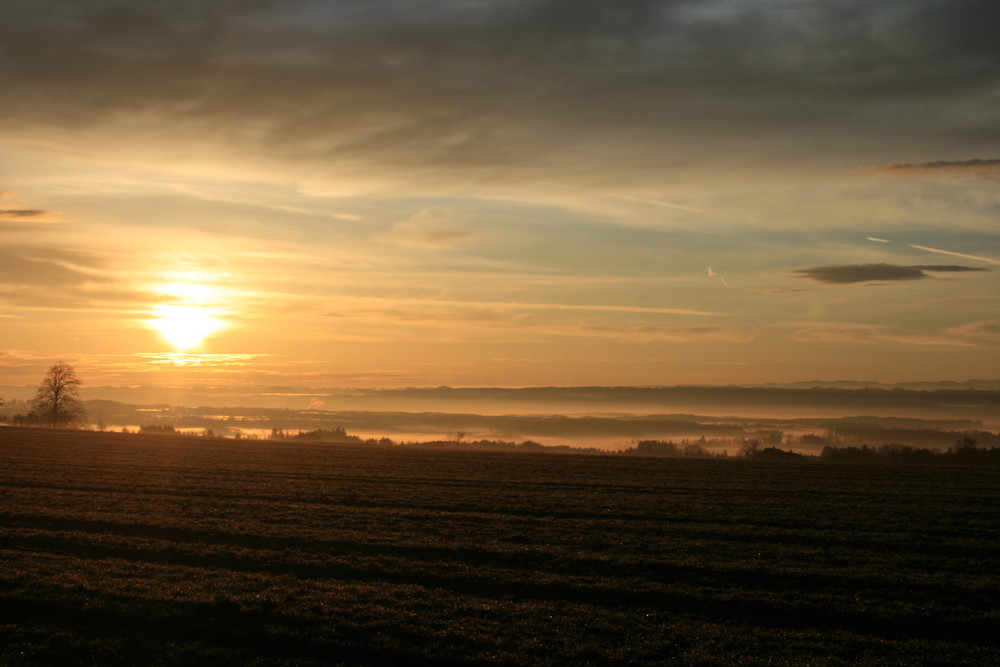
{"x":657,"y":202}
{"x":714,"y":274}
{"x":876,"y":239}
{"x":954,"y":254}
{"x":560,"y":185}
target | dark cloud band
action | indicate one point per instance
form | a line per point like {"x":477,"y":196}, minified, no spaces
{"x":975,"y":163}
{"x":18,"y":213}
{"x":496,"y":84}
{"x":862,"y":273}
{"x":976,"y":168}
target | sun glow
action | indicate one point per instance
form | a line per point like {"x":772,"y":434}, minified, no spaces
{"x":188,"y":311}
{"x":185,"y":327}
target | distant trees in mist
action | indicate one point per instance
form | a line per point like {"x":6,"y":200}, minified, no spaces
{"x":669,"y":449}
{"x":335,"y":435}
{"x":965,"y":451}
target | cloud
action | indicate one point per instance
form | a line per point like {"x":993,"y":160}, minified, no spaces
{"x":867,"y":334}
{"x":652,"y":333}
{"x":51,"y":277}
{"x":975,"y":168}
{"x":860,"y":273}
{"x":776,"y":290}
{"x":46,"y":266}
{"x":429,"y":228}
{"x":493,"y":91}
{"x":504,"y":312}
{"x":28,"y":215}
{"x":834,"y":332}
{"x":25,"y":214}
{"x":440,"y":319}
{"x":988,"y":330}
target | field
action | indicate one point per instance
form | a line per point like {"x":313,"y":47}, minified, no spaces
{"x":161,"y":550}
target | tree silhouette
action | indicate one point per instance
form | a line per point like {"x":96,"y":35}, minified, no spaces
{"x":750,"y":448}
{"x":57,"y":401}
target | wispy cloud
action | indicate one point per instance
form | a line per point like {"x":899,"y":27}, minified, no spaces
{"x":975,"y":168}
{"x":868,"y":334}
{"x":47,"y":266}
{"x":214,"y":361}
{"x":43,"y":278}
{"x":861,"y":273}
{"x":440,"y":319}
{"x":359,"y":303}
{"x":432,"y":228}
{"x":656,"y":310}
{"x":776,"y":290}
{"x":988,"y":330}
{"x":649,"y":333}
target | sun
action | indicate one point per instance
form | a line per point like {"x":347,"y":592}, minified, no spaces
{"x":188,"y":311}
{"x":185,"y":327}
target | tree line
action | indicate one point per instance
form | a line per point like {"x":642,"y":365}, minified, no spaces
{"x":965,"y":451}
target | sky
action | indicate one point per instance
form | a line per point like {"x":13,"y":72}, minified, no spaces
{"x":385,"y":193}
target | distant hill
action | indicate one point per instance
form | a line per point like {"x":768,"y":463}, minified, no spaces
{"x":986,"y":385}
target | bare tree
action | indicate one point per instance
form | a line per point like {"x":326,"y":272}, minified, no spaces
{"x":57,"y":401}
{"x":750,"y":448}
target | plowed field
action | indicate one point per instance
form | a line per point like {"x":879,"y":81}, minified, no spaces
{"x":125,"y":550}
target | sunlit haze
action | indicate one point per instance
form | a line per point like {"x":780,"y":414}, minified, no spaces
{"x":391,"y":194}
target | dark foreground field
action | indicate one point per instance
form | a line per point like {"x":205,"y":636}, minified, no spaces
{"x":124,"y":550}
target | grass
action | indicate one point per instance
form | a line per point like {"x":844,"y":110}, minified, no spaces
{"x":162,"y":550}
